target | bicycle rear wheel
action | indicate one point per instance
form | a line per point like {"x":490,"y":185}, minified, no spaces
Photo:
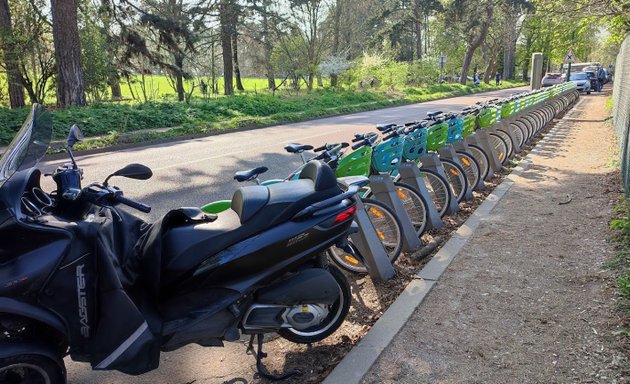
{"x":388,"y":229}
{"x":456,"y":178}
{"x":471,"y":168}
{"x":438,"y":190}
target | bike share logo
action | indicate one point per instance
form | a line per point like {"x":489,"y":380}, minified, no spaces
{"x":83,"y":312}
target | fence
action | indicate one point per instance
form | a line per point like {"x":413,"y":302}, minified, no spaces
{"x":621,"y":111}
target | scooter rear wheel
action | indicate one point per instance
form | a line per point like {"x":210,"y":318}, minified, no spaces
{"x":32,"y":369}
{"x":337,"y":314}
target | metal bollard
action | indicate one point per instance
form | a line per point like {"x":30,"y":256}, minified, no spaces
{"x":369,"y":245}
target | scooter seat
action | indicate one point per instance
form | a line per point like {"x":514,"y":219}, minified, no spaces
{"x":297,"y":148}
{"x":254,"y":209}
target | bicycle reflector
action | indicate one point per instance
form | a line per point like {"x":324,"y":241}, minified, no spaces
{"x":345,"y":215}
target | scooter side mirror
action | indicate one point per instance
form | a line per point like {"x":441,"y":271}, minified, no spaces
{"x":133,"y":171}
{"x":74,"y":135}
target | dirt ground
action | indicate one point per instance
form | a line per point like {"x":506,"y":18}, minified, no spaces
{"x":527,"y":300}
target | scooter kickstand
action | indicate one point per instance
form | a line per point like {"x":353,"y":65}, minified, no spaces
{"x":262,"y":370}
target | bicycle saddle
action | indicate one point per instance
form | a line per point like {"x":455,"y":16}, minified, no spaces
{"x":433,"y":114}
{"x":250,"y":174}
{"x":297,"y":148}
{"x":384,"y":127}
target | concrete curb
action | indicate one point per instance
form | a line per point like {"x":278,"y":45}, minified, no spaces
{"x":362,"y":356}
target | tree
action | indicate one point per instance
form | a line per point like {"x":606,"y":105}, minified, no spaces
{"x":476,"y":37}
{"x":70,"y":86}
{"x":166,"y":32}
{"x":32,"y":31}
{"x":10,"y":56}
{"x":307,"y":38}
{"x":227,"y":16}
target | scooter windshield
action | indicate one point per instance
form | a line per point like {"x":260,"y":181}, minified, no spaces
{"x":29,"y":145}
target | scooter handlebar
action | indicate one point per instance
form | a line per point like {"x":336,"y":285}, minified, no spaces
{"x":133,"y":204}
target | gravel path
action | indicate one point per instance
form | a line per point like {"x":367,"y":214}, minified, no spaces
{"x":527,"y":300}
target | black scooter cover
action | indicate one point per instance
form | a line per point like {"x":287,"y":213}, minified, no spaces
{"x":126,"y":337}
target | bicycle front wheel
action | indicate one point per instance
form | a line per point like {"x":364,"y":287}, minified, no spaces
{"x":388,"y":229}
{"x":471,"y":168}
{"x":482,"y":160}
{"x":500,"y":147}
{"x":508,"y":141}
{"x":456,"y":178}
{"x":438,"y":190}
{"x":414,"y":205}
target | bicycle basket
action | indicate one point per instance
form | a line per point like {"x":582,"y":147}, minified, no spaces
{"x":356,"y":163}
{"x":415,"y":144}
{"x":455,"y":130}
{"x":387,"y":155}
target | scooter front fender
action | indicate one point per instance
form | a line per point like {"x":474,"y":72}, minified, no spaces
{"x":28,"y":311}
{"x":29,"y":348}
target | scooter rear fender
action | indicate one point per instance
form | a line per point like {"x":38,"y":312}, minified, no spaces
{"x":269,"y":254}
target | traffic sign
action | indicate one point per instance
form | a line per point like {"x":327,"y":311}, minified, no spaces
{"x":570,"y":57}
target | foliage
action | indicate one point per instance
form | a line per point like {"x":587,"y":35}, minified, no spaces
{"x":97,"y":70}
{"x":621,"y":262}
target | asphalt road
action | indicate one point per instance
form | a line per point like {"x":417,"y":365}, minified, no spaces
{"x":195,"y":172}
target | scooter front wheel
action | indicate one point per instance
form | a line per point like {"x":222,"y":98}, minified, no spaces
{"x":336,"y":315}
{"x":32,"y":369}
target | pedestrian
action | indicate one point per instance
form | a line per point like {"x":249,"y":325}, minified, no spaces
{"x":497,"y":78}
{"x":476,"y":79}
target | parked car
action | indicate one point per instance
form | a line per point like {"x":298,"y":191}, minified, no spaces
{"x":582,"y":82}
{"x":593,"y":79}
{"x":551,"y":79}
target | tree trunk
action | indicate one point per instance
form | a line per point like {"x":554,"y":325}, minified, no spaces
{"x":14,"y":75}
{"x":333,"y":79}
{"x":490,"y":71}
{"x":509,"y":52}
{"x":417,"y":25}
{"x":311,"y":78}
{"x":472,"y":46}
{"x":70,"y":86}
{"x":133,"y":96}
{"x":225,"y":18}
{"x":267,"y":46}
{"x":179,"y":78}
{"x":237,"y":69}
{"x":114,"y":86}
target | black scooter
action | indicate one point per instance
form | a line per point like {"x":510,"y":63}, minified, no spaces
{"x":81,"y":276}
